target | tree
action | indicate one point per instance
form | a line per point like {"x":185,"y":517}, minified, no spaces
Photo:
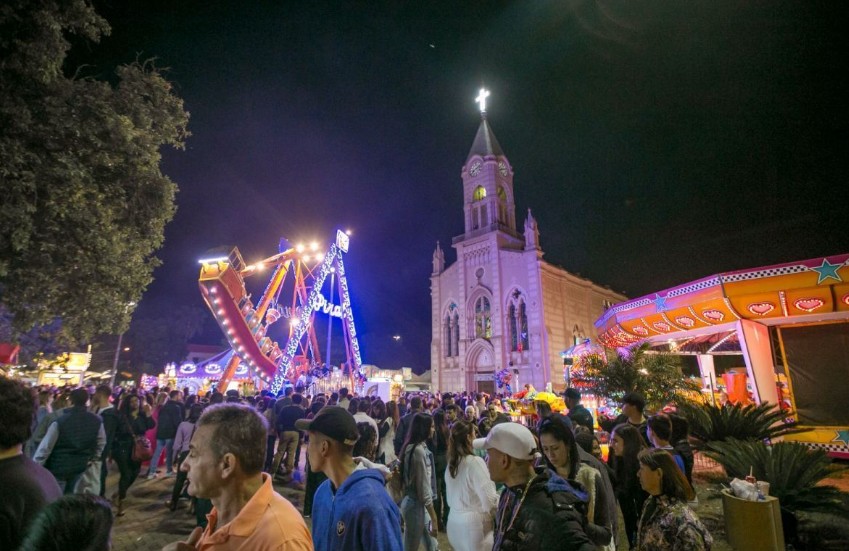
{"x":657,"y":376}
{"x":85,"y":201}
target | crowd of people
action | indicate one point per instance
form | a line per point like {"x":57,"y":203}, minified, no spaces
{"x":377,"y":475}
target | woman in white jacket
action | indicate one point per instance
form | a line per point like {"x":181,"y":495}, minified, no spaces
{"x":470,"y":493}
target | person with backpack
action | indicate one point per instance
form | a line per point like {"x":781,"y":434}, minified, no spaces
{"x":538,"y":510}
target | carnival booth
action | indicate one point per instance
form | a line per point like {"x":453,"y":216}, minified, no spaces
{"x":68,"y":370}
{"x":202,"y":376}
{"x":785,"y":326}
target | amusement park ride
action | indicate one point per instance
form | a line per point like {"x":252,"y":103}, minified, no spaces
{"x":294,"y":292}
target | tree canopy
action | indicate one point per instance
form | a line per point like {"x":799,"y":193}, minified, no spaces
{"x":657,"y":376}
{"x":85,"y":202}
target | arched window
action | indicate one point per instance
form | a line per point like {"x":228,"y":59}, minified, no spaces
{"x":511,"y":326}
{"x":501,"y":193}
{"x":523,"y":326}
{"x":456,"y":330}
{"x":480,"y":193}
{"x":483,"y":319}
{"x":446,"y":333}
{"x":517,"y":322}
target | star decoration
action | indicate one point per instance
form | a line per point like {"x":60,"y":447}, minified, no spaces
{"x":827,"y":270}
{"x":660,"y":303}
{"x":842,"y":436}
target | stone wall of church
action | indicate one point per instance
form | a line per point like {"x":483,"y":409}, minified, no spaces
{"x":571,"y":305}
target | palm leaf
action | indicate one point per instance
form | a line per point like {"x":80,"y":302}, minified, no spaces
{"x":792,"y":469}
{"x":711,"y":423}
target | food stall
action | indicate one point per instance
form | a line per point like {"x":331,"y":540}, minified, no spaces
{"x":788,"y":324}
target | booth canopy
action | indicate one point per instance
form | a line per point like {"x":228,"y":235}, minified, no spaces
{"x":770,"y":294}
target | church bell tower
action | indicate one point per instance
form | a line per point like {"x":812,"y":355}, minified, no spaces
{"x":487,"y":182}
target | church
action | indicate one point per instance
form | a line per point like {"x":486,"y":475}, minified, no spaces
{"x":500,"y":305}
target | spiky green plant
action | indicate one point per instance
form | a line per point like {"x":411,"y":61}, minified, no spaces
{"x":792,"y":470}
{"x":709,"y":423}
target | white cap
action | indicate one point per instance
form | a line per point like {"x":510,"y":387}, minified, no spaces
{"x":511,"y":438}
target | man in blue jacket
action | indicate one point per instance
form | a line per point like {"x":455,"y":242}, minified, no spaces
{"x":351,"y":510}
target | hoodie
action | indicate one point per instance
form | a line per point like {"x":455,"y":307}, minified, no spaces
{"x":359,"y":515}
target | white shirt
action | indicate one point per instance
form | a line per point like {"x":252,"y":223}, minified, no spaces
{"x":472,"y":489}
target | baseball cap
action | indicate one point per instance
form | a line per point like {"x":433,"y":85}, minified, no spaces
{"x":511,"y":438}
{"x":334,"y":422}
{"x":573,"y":393}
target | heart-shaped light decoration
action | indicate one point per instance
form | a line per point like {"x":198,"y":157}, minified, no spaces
{"x":808,"y":304}
{"x":661,"y":326}
{"x":685,"y":321}
{"x":713,"y":315}
{"x":761,"y":308}
{"x":640,"y":330}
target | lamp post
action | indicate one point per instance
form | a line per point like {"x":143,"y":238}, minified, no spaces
{"x":129,"y":306}
{"x":330,"y":319}
{"x":115,"y":361}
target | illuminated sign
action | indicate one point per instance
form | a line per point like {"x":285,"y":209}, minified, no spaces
{"x":78,"y":361}
{"x":325,"y":307}
{"x":342,"y":241}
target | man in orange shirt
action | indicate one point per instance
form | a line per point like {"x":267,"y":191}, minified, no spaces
{"x":225,"y":465}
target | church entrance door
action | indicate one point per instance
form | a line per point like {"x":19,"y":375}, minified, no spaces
{"x":487,"y":386}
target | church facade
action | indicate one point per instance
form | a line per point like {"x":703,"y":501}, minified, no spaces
{"x":500,"y":305}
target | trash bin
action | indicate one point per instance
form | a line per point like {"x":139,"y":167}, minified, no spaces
{"x":753,"y":525}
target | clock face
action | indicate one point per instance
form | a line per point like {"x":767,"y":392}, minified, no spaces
{"x":502,"y":168}
{"x":475,"y":168}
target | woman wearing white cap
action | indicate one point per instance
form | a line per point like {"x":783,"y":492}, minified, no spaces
{"x":471,"y":494}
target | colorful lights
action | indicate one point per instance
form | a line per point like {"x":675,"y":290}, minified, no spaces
{"x":214,"y":260}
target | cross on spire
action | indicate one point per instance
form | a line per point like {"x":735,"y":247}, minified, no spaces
{"x":481,"y":99}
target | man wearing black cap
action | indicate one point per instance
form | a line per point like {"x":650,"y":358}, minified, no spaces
{"x":351,"y":510}
{"x":577,"y":412}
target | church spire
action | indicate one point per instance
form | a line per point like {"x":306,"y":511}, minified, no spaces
{"x":488,"y":183}
{"x":531,"y":233}
{"x":438,"y":260}
{"x":485,"y":143}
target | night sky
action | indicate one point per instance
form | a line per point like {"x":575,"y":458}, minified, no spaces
{"x":655,"y":142}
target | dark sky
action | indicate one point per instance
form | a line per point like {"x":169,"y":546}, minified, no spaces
{"x":656,"y":142}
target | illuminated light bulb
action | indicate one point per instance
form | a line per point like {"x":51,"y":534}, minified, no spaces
{"x":306,"y":258}
{"x":213,"y":290}
{"x":260,"y":266}
{"x":294,"y":322}
{"x":300,"y":247}
{"x":348,"y":233}
{"x":314,"y":246}
{"x":320,"y":257}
